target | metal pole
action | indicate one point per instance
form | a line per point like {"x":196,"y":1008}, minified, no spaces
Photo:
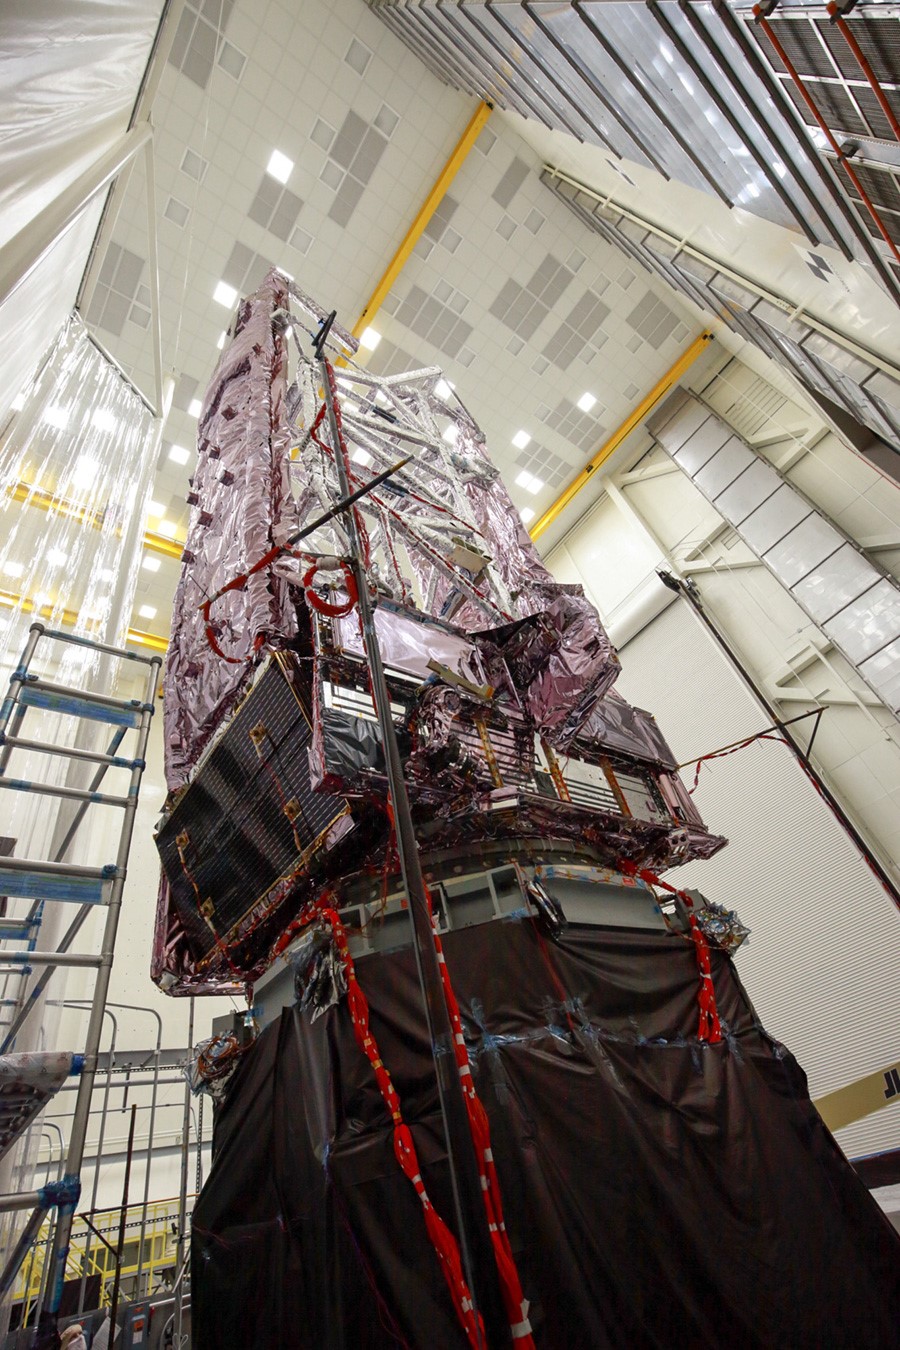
{"x":17,"y":1255}
{"x":101,"y":991}
{"x":474,"y":1240}
{"x":689,"y":591}
{"x":21,"y":255}
{"x":155,"y":316}
{"x":122,"y":1220}
{"x":181,"y":1264}
{"x":104,"y":1111}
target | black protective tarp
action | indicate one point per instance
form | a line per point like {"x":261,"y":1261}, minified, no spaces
{"x":659,"y":1193}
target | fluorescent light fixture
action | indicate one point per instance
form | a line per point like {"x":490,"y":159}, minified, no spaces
{"x":223,"y":338}
{"x":155,"y":508}
{"x":168,"y":528}
{"x":18,"y":402}
{"x":150,"y":564}
{"x":586,"y":402}
{"x":521,"y":439}
{"x":361,"y":456}
{"x":279,"y":166}
{"x":56,"y":557}
{"x":103,"y":420}
{"x":450,"y":433}
{"x":444,"y":388}
{"x":179,"y":455}
{"x":370,"y":339}
{"x":85,"y":472}
{"x":529,"y":482}
{"x":55,"y":416}
{"x":195,"y":407}
{"x":12,"y":569}
{"x":147,"y":612}
{"x":224,"y":294}
{"x":527,"y":515}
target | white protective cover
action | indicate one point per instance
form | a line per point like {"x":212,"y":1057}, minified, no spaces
{"x":69,"y":77}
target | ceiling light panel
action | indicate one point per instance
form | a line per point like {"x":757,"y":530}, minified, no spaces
{"x":280,"y":166}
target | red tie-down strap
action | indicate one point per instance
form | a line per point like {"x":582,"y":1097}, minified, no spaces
{"x":442,"y":1240}
{"x":514,"y":1301}
{"x":325,"y":606}
{"x":709,"y":1027}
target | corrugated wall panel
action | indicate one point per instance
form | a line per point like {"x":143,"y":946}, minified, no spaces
{"x":821,"y":966}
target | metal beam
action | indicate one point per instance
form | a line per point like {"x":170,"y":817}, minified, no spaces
{"x":21,"y":255}
{"x":423,"y":216}
{"x":681,"y":245}
{"x":609,"y":447}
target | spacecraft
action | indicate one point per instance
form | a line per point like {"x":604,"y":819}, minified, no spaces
{"x":519,"y":1096}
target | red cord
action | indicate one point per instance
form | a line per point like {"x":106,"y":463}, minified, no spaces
{"x":709,"y":1027}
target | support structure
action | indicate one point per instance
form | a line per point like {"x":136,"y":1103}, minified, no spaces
{"x":42,"y":882}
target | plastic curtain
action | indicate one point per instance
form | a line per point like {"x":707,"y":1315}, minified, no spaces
{"x":76,"y":459}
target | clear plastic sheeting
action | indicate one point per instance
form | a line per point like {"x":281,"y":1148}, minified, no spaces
{"x":75,"y":458}
{"x":27,"y":1082}
{"x":68,"y":83}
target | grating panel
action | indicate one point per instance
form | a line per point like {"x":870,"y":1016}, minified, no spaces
{"x":230,"y":838}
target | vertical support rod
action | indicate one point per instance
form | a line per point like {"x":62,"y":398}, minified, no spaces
{"x":474,"y":1240}
{"x":95,"y":1182}
{"x":81,"y":1115}
{"x":177,"y":1337}
{"x":153,"y":251}
{"x":151,"y":1130}
{"x":123,"y":1217}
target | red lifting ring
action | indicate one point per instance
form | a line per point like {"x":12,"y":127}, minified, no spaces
{"x":324,"y":606}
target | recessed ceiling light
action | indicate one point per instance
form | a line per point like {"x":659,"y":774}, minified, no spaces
{"x":223,"y":338}
{"x":179,"y":455}
{"x":147,"y":612}
{"x":361,"y":456}
{"x":155,"y":508}
{"x":13,"y":569}
{"x":56,"y":557}
{"x":527,"y":514}
{"x":43,"y":600}
{"x":103,"y":420}
{"x":586,"y":402}
{"x":443,"y":388}
{"x":529,"y":482}
{"x":450,"y":433}
{"x":370,"y":339}
{"x":195,"y":407}
{"x":55,"y":416}
{"x":150,"y":564}
{"x":107,"y":574}
{"x":521,"y":439}
{"x":168,"y":528}
{"x":224,"y":294}
{"x":18,"y":403}
{"x":279,"y":166}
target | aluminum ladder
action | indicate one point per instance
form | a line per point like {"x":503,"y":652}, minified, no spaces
{"x":55,"y":881}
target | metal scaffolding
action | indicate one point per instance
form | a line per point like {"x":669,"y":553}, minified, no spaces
{"x":53,"y":881}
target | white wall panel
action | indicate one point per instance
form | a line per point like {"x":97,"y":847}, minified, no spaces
{"x":821,"y":964}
